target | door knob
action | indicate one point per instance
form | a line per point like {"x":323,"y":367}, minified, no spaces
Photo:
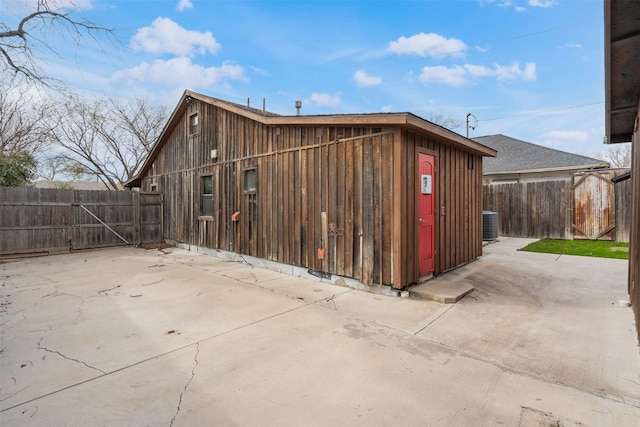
{"x":420,"y":220}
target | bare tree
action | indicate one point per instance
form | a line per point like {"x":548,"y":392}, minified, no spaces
{"x":618,"y":155}
{"x":31,"y":32}
{"x":444,"y":120}
{"x":21,"y":125}
{"x":107,"y":139}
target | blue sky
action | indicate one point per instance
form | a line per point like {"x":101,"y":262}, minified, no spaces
{"x":529,"y":69}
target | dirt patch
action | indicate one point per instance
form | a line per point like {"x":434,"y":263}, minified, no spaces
{"x":619,"y":249}
{"x":157,"y":245}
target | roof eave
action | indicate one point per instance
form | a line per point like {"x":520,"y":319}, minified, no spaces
{"x":383,"y":119}
{"x":622,"y":60}
{"x":424,"y":125}
{"x":546,"y":170}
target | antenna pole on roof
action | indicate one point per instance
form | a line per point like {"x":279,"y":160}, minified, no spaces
{"x":264,"y":104}
{"x":248,"y":102}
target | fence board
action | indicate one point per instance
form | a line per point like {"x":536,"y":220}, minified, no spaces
{"x":623,"y":213}
{"x":524,"y":209}
{"x":39,"y":220}
{"x":545,"y":209}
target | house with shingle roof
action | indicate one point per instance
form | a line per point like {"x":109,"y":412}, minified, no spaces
{"x":521,"y":161}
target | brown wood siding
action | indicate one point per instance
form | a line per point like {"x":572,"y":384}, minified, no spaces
{"x":458,"y":204}
{"x":335,"y":188}
{"x":624,"y":201}
{"x":634,"y":235}
{"x":317,"y":187}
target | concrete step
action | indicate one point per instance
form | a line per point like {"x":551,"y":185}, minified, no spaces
{"x":443,"y":291}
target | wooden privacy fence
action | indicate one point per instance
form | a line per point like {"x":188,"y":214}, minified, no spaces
{"x":38,"y":220}
{"x":531,"y":209}
{"x":547,"y":209}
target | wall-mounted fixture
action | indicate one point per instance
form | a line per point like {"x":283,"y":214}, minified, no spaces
{"x":214,"y":154}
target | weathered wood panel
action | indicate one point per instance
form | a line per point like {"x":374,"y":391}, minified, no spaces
{"x":634,"y":234}
{"x":320,"y":190}
{"x":623,"y":212}
{"x":545,"y":209}
{"x":458,"y":215}
{"x":34,"y":220}
{"x":531,"y":209}
{"x":593,"y":205}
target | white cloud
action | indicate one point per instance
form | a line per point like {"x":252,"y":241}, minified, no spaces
{"x":454,"y":76}
{"x":460,"y":75}
{"x":529,"y":72}
{"x":260,"y":71}
{"x":184,"y":4}
{"x":363,"y":79}
{"x":165,"y":36}
{"x":513,"y":72}
{"x":431,"y":44}
{"x":387,"y":108}
{"x":478,"y":70}
{"x":172,"y":73}
{"x":572,"y":45}
{"x":557,"y":138}
{"x":543,"y":3}
{"x":520,"y":9}
{"x":325,"y":100}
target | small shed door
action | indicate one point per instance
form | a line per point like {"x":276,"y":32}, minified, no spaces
{"x":426,"y":213}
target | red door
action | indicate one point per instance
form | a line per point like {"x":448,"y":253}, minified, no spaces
{"x":426,"y":214}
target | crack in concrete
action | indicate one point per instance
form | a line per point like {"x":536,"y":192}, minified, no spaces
{"x":57,"y":293}
{"x":104,"y":291}
{"x":184,"y":390}
{"x":40,"y":347}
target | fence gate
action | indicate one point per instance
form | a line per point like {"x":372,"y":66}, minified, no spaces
{"x":37,"y":220}
{"x":593,"y":206}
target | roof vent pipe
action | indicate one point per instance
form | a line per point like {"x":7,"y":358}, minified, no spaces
{"x":264,"y":104}
{"x":298,"y":107}
{"x":248,"y":102}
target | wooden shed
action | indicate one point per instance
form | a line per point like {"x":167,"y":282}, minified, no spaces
{"x":386,"y":199}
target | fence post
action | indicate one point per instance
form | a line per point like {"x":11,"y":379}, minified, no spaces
{"x":137,"y":217}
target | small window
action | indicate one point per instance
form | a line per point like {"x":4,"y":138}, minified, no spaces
{"x":193,"y":124}
{"x":154,"y":188}
{"x":250,"y":180}
{"x":207,"y":196}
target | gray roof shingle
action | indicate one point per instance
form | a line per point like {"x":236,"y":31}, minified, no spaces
{"x":514,"y":154}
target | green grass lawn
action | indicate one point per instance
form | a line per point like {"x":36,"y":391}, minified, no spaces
{"x":595,"y":248}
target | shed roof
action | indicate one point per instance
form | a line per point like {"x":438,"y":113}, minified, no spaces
{"x":405,"y":120}
{"x":516,"y":155}
{"x":622,"y":65}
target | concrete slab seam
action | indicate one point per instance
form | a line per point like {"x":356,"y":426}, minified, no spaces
{"x":158,"y":356}
{"x":434,"y":320}
{"x":529,"y":374}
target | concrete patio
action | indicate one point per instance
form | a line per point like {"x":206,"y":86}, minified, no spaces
{"x":168,"y":337}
